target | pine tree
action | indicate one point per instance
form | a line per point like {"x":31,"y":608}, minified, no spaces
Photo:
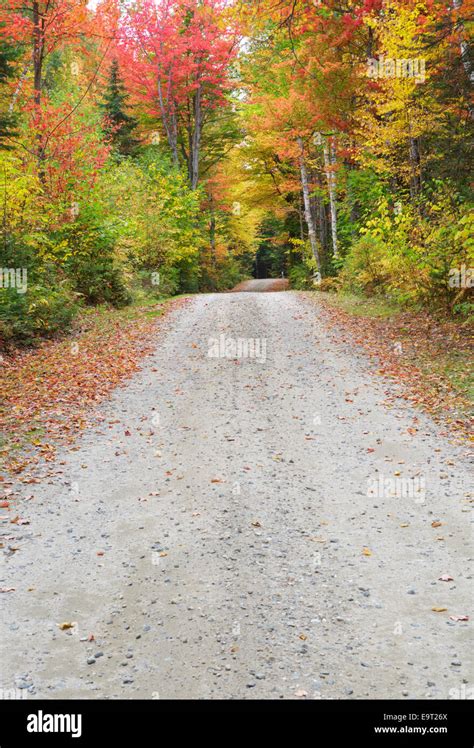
{"x":118,"y":125}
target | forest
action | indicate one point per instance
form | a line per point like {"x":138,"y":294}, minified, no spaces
{"x":162,"y":147}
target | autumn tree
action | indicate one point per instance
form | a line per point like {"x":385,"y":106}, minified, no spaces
{"x":178,"y":59}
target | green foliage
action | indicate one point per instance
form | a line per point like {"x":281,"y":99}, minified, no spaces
{"x":361,"y":190}
{"x":42,"y":311}
{"x":119,"y":126}
{"x":300,"y":277}
{"x":42,"y":305}
{"x":302,"y":273}
{"x":222,"y":274}
{"x":90,"y":264}
{"x":156,"y":219}
{"x":412,"y":254}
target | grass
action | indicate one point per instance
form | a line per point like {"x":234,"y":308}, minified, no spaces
{"x":361,"y":306}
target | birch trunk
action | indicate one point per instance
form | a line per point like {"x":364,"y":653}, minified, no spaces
{"x":18,"y":88}
{"x":329,"y":163}
{"x":38,"y":56}
{"x":196,"y":139}
{"x":307,"y":207}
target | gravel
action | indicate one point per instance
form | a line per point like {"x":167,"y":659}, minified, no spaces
{"x":274,"y":565}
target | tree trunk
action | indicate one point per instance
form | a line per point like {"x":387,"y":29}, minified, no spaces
{"x":196,"y":139}
{"x":329,"y":164}
{"x":38,"y":56}
{"x":38,"y":46}
{"x":415,"y":163}
{"x":321,"y":216}
{"x":18,"y":88}
{"x":300,"y":215}
{"x":307,"y":207}
{"x":169,"y":123}
{"x":212,"y":233}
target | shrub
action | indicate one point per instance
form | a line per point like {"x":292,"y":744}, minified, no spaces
{"x":300,"y":277}
{"x":41,"y":311}
{"x":411,"y":255}
{"x":330,"y":284}
{"x":88,"y":256}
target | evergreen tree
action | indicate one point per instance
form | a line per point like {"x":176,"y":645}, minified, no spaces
{"x":118,"y":125}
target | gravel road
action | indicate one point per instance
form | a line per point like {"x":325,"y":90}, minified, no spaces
{"x":263,"y":284}
{"x":214,"y":532}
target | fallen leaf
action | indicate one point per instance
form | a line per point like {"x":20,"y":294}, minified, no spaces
{"x":445,"y":578}
{"x":435,"y":609}
{"x":366,"y":552}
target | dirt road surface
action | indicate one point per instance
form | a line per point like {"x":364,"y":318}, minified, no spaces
{"x":263,"y":284}
{"x":249,"y":519}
